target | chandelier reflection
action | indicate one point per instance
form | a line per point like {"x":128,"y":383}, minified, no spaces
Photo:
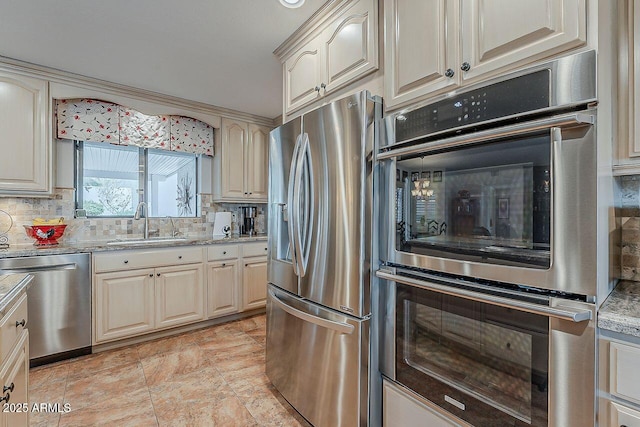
{"x":421,"y":185}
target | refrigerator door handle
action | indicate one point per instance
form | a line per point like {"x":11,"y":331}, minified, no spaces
{"x":306,"y":223}
{"x":295,"y":208}
{"x":290,"y":204}
{"x":343,"y":328}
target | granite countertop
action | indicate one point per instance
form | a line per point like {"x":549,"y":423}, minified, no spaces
{"x":621,"y":311}
{"x":12,"y":286}
{"x":102,"y":246}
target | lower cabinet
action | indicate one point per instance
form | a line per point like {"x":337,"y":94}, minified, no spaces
{"x":14,"y":374}
{"x":623,"y":416}
{"x":619,"y":386}
{"x":222,"y":289}
{"x":254,"y":283}
{"x":138,"y":301}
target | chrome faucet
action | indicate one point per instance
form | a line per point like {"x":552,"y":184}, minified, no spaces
{"x":136,"y":216}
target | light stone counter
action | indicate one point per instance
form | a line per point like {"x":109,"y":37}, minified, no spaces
{"x":12,"y":286}
{"x":102,"y":246}
{"x":621,"y":311}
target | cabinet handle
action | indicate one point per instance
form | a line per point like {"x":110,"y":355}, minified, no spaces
{"x":246,"y":265}
{"x":250,"y":193}
{"x":223,"y":264}
{"x":158,"y":274}
{"x":126,"y":261}
{"x":224,"y":253}
{"x":179,"y":256}
{"x":5,"y":398}
{"x":151,"y":275}
{"x":10,"y":388}
{"x":265,"y":249}
{"x":21,"y":323}
{"x":465,"y":66}
{"x":323,"y":86}
{"x":449,"y":73}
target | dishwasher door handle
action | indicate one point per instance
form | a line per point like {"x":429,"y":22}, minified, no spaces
{"x":37,"y":268}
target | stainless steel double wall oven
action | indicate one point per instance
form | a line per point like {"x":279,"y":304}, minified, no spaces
{"x":489,"y":207}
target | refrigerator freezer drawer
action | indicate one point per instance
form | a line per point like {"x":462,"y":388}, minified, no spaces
{"x":318,"y":360}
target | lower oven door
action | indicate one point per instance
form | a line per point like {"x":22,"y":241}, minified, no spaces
{"x":491,"y":364}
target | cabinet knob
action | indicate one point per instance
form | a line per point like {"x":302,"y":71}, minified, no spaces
{"x":465,"y":66}
{"x":5,"y":398}
{"x":9,"y":388}
{"x":317,"y":89}
{"x":126,"y":261}
{"x":250,"y":193}
{"x":449,"y":73}
{"x":151,"y":275}
{"x":21,"y":323}
{"x":223,"y":264}
{"x":158,"y":274}
{"x":246,"y":265}
{"x":224,"y":253}
{"x":323,"y":86}
{"x":179,"y":256}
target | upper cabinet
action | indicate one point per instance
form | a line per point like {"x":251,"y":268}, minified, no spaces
{"x":26,"y":166}
{"x":339,"y":50}
{"x":422,"y":58}
{"x":241,"y":172}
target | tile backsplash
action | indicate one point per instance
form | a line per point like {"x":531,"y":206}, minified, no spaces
{"x":629,"y":215}
{"x":79,"y":230}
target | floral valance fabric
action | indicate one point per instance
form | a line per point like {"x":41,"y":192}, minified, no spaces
{"x":100,"y":121}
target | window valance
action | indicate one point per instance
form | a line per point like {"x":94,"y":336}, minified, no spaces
{"x":101,"y":121}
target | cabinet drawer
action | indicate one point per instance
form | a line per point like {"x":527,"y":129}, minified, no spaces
{"x":219,"y":252}
{"x":9,"y":332}
{"x":624,"y":373}
{"x":149,"y":258}
{"x":254,"y":249}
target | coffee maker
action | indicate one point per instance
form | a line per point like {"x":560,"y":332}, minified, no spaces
{"x":249,"y":220}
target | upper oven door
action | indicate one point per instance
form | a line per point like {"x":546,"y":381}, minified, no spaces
{"x":513,"y":204}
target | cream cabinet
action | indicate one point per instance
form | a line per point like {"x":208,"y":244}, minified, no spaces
{"x":124,"y":304}
{"x":137,"y":292}
{"x":236,"y":278}
{"x":619,"y":384}
{"x":223,"y":292}
{"x":399,"y":408}
{"x":14,"y":364}
{"x":241,"y":174}
{"x":422,"y":57}
{"x":25,"y":138}
{"x":254,"y":283}
{"x":339,"y":50}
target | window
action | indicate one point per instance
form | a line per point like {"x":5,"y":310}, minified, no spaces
{"x":112,"y":180}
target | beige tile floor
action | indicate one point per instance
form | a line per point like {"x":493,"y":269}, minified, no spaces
{"x":211,"y":377}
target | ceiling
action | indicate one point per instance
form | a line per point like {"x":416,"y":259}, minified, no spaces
{"x":219,"y":52}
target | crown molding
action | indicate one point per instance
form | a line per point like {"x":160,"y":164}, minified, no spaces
{"x":311,"y":27}
{"x":73,"y":79}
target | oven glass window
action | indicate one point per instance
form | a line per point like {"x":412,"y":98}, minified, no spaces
{"x":485,"y":364}
{"x":488,"y":203}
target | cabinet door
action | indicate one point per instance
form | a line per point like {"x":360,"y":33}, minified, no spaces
{"x":15,"y":379}
{"x":257,"y":162}
{"x":499,"y":35}
{"x":421,"y":45}
{"x":179,"y":295}
{"x":223,"y":288}
{"x":351,"y":45}
{"x":302,"y":74}
{"x":234,"y":139}
{"x":254,"y":283}
{"x":124,"y":304}
{"x":621,"y":416}
{"x":24,"y":124}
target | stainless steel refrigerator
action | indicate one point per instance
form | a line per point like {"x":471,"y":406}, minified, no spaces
{"x":318,"y":308}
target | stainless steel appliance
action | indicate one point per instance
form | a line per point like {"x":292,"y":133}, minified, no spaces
{"x":318,"y":308}
{"x":59,"y":305}
{"x":488,"y":231}
{"x":248,"y":220}
{"x":499,"y":182}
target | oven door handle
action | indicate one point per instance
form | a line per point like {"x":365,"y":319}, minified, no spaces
{"x":488,"y":135}
{"x":559,"y":312}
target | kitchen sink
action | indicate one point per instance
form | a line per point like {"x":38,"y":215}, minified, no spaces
{"x":145,"y":242}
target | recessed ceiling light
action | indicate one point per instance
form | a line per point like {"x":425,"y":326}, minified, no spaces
{"x":292,"y":3}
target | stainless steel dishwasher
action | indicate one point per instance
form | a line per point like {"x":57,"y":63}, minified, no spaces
{"x":59,"y":305}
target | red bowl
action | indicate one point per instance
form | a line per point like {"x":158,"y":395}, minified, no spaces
{"x":45,"y":235}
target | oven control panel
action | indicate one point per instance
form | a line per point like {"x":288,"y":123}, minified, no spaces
{"x":507,"y":98}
